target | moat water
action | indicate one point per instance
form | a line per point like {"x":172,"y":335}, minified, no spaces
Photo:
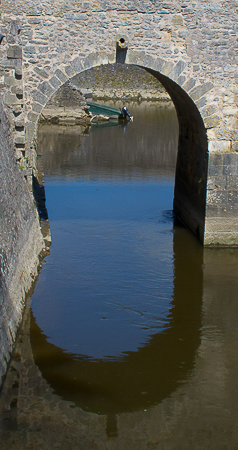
{"x":132,"y":320}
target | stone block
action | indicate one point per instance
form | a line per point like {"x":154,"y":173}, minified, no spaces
{"x":220,"y":182}
{"x":93,"y":59}
{"x":202,"y":102}
{"x":55,"y":82}
{"x":221,"y":224}
{"x":10,"y":80}
{"x":219,"y":147}
{"x":177,"y":69}
{"x":158,"y":64}
{"x":14,"y":52}
{"x":211,"y":183}
{"x":183,"y":34}
{"x":19,"y":139}
{"x":189,"y":84}
{"x":70,"y":71}
{"x":11,"y":64}
{"x":177,"y":21}
{"x":212,"y":121}
{"x":232,"y":182}
{"x":37,"y":107}
{"x":34,"y":21}
{"x":15,"y":27}
{"x":29,"y":50}
{"x":43,"y":49}
{"x":167,"y":67}
{"x":41,"y":72}
{"x":32,"y":117}
{"x":181,"y":80}
{"x":46,"y":88}
{"x":135,"y":57}
{"x":214,"y":170}
{"x":35,"y":10}
{"x":19,"y":122}
{"x":39,"y":97}
{"x":199,"y":91}
{"x":208,"y":110}
{"x":230,"y":158}
{"x":62,"y":77}
{"x":11,"y":99}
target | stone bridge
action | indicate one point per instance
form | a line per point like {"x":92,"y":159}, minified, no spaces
{"x":190,"y":46}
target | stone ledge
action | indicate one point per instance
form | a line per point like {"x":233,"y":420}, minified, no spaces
{"x":221,"y":239}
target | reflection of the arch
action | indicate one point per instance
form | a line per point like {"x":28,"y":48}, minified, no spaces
{"x":145,"y":377}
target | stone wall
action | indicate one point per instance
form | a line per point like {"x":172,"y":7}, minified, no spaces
{"x":121,"y":81}
{"x":66,"y":106}
{"x":190,"y":47}
{"x":20,"y":244}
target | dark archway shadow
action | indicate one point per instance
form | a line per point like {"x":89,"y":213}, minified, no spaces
{"x":143,"y":378}
{"x":192,"y":160}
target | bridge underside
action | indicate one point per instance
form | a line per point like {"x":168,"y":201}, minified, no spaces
{"x":206,"y":191}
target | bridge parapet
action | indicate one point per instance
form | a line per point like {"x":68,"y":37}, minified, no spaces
{"x":190,"y":48}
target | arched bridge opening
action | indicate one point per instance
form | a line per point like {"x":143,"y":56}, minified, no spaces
{"x":192,"y":159}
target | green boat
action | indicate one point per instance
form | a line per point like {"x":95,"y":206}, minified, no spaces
{"x":97,"y":109}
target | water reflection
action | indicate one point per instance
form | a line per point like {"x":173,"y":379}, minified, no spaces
{"x":192,"y":392}
{"x":121,"y":288}
{"x":145,"y":377}
{"x":148,"y":146}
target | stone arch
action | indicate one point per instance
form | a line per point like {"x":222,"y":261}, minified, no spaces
{"x":192,"y":162}
{"x":166,"y":71}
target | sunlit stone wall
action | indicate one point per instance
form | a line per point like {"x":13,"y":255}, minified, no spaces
{"x":20,"y":244}
{"x":190,"y":44}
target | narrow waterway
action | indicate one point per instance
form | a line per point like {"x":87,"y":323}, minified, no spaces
{"x":108,"y":284}
{"x":133,"y":327}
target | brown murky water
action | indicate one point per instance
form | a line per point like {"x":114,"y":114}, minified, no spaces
{"x":133,"y":331}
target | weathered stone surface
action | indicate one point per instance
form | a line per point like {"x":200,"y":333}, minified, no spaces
{"x":62,"y":77}
{"x":55,"y":82}
{"x":39,"y":97}
{"x":11,"y":99}
{"x":19,"y":139}
{"x":219,"y":146}
{"x":14,"y":52}
{"x":15,"y":27}
{"x":41,"y":72}
{"x":21,"y":243}
{"x":212,"y":121}
{"x":46,"y":89}
{"x":199,"y":91}
{"x":194,"y":59}
{"x":177,"y":69}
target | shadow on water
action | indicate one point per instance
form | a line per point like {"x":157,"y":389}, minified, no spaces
{"x":143,"y":378}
